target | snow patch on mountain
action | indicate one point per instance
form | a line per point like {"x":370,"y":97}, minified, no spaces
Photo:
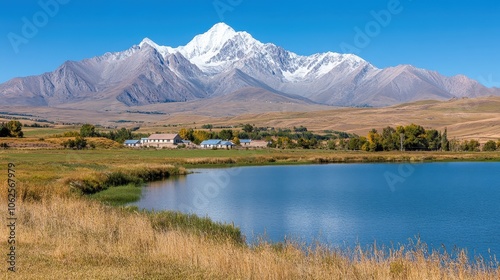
{"x":222,"y":61}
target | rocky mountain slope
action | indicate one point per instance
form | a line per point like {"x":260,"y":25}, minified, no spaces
{"x":224,"y":62}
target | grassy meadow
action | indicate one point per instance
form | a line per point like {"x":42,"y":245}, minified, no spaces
{"x":70,"y":224}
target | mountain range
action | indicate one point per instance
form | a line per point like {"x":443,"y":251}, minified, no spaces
{"x":223,"y":62}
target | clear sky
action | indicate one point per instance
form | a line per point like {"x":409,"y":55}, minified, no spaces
{"x":451,"y":37}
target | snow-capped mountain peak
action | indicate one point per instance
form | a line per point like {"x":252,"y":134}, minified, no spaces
{"x":209,"y":43}
{"x":222,"y":61}
{"x":220,"y":46}
{"x":147,"y":41}
{"x":163,"y":50}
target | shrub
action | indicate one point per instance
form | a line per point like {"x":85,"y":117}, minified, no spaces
{"x":490,"y":146}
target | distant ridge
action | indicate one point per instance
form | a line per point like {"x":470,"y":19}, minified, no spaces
{"x":224,"y":62}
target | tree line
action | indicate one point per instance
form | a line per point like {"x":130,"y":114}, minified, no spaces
{"x":412,"y":137}
{"x":119,"y":135}
{"x":89,"y":130}
{"x":277,"y":137}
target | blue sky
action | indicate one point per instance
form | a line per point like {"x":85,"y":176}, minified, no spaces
{"x":451,"y":37}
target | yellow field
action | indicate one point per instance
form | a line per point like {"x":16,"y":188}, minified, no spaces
{"x":476,"y":118}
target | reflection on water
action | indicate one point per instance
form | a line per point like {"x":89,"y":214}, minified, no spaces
{"x":443,"y":203}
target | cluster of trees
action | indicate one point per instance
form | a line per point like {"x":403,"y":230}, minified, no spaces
{"x":491,"y":146}
{"x":473,"y":146}
{"x":414,"y":138}
{"x":36,"y":125}
{"x":11,"y":129}
{"x":120,"y":135}
{"x":88,"y":130}
{"x":198,"y":136}
{"x":408,"y":138}
{"x":297,"y":134}
{"x":280,"y":138}
{"x":78,"y":144}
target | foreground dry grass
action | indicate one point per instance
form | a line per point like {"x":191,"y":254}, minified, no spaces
{"x":62,"y":238}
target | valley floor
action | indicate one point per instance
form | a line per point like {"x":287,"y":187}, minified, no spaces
{"x":475,"y":118}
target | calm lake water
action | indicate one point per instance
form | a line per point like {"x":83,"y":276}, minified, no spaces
{"x":455,"y":204}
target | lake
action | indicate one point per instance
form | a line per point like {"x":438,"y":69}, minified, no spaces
{"x":451,"y":204}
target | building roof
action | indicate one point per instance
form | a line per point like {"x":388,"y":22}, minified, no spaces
{"x":162,"y":136}
{"x":132,"y":142}
{"x":211,"y":142}
{"x":215,"y":142}
{"x":245,"y":140}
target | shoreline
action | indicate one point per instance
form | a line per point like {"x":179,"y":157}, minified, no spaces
{"x":117,"y":236}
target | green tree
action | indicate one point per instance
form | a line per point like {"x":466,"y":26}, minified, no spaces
{"x":15,"y":129}
{"x":80,"y":143}
{"x":390,"y":139}
{"x":356,"y":143}
{"x":490,"y":146}
{"x":303,"y":143}
{"x":300,"y":129}
{"x":248,"y":128}
{"x":313,"y":142}
{"x":433,"y":139}
{"x":88,"y":130}
{"x":445,"y":144}
{"x":122,"y":134}
{"x":331,"y":144}
{"x":415,"y":138}
{"x":226,"y":134}
{"x":4,"y":131}
{"x":207,"y":126}
{"x":470,"y":146}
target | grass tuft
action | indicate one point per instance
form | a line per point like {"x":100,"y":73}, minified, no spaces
{"x":118,"y":196}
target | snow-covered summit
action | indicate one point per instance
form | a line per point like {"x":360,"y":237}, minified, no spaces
{"x":222,"y":62}
{"x":163,"y":50}
{"x":222,"y":48}
{"x":219,"y":48}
